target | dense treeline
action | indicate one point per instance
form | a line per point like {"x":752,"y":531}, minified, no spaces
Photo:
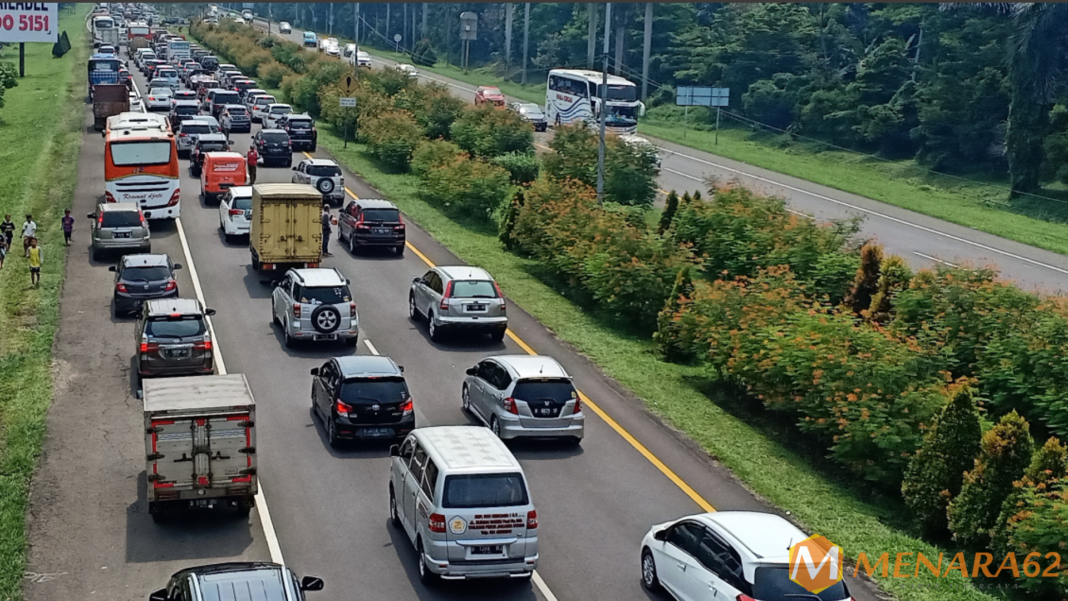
{"x":929,"y":81}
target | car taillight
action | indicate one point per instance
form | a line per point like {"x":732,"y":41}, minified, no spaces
{"x":149,"y":347}
{"x":444,"y":306}
{"x":510,"y":406}
{"x":183,"y":135}
{"x":202,"y":346}
{"x":171,"y":285}
{"x":578,"y":406}
{"x":504,"y":305}
{"x":120,"y":287}
{"x":296,"y":310}
{"x":236,"y":212}
{"x":108,"y":197}
{"x":360,"y":225}
{"x":532,"y":519}
{"x":343,"y":408}
{"x":352,"y":309}
{"x":744,"y":597}
{"x":407,"y":407}
{"x":436,"y":523}
{"x":175,"y":197}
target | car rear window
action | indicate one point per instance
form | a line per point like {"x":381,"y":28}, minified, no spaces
{"x":369,"y":391}
{"x":121,"y":219}
{"x":325,"y":296}
{"x":226,"y":98}
{"x":558,"y":390}
{"x":237,"y":111}
{"x":186,"y":110}
{"x":198,"y":128}
{"x":774,"y":584}
{"x":473,"y":289}
{"x":281,"y":110}
{"x":300,"y":123}
{"x":241,"y":202}
{"x":147,"y":273}
{"x":484,"y":490}
{"x":390,"y":215}
{"x":324,"y":170}
{"x":212,"y":146}
{"x":265,"y":100}
{"x":175,"y":327}
{"x":275,"y":137}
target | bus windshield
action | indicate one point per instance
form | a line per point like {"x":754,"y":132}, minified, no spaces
{"x":618,"y":92}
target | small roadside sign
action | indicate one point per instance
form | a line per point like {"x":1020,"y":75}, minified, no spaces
{"x":348,"y":85}
{"x":349,"y":102}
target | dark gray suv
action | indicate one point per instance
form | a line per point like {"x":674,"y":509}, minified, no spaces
{"x":174,"y":339}
{"x":142,"y":277}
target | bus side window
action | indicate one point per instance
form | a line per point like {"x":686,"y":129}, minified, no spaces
{"x":554,"y":83}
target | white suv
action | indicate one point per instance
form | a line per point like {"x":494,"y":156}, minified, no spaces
{"x":324,"y":175}
{"x":727,"y":555}
{"x":315,"y":304}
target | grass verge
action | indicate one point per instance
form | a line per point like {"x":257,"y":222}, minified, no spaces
{"x":762,"y":462}
{"x":979,"y":202}
{"x":40,"y":137}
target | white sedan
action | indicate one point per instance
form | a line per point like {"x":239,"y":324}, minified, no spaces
{"x":285,"y":27}
{"x":235,"y":211}
{"x":409,"y":69}
{"x":159,"y":99}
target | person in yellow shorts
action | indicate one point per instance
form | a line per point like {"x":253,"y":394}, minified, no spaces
{"x":36,"y":255}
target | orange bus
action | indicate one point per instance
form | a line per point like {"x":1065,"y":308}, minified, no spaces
{"x":141,"y":165}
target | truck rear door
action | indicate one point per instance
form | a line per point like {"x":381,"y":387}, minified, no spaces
{"x":200,"y":452}
{"x":306,"y":230}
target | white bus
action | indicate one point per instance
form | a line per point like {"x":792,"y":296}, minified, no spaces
{"x":574,"y":95}
{"x":105,"y":31}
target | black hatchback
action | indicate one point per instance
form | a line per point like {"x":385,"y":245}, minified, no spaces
{"x":371,"y":222}
{"x":142,"y":277}
{"x":274,"y":146}
{"x":362,"y":397}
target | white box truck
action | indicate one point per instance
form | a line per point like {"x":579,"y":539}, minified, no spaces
{"x":200,"y":443}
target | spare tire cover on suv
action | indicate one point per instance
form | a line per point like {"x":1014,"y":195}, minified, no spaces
{"x":325,"y":319}
{"x":326,"y":185}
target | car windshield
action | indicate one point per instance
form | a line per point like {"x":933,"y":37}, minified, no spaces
{"x":324,"y":170}
{"x":484,"y":490}
{"x":121,"y":219}
{"x":559,"y":390}
{"x":368,"y":391}
{"x":774,"y":584}
{"x":326,"y":296}
{"x":275,"y":137}
{"x":473,"y":289}
{"x":146,"y":273}
{"x":391,"y":215}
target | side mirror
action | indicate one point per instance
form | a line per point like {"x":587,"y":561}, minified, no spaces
{"x":209,"y":312}
{"x":401,"y":368}
{"x":314,"y":371}
{"x":177,"y":265}
{"x":394,"y":450}
{"x":160,"y":595}
{"x":661,"y":534}
{"x":417,"y":280}
{"x":471,"y":371}
{"x":113,"y":268}
{"x":311,"y":583}
{"x":90,"y":216}
{"x":294,"y":169}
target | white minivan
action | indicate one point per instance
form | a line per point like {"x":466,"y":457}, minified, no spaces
{"x":462,"y":499}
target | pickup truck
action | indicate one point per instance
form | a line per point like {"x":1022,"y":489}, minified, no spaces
{"x":200,"y":443}
{"x":109,"y":99}
{"x":286,"y":228}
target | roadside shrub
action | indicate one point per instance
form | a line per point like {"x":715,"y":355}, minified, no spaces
{"x":671,"y":206}
{"x":936,"y":472}
{"x":522,"y":167}
{"x":507,"y":224}
{"x":1048,"y":463}
{"x":488,"y":132}
{"x":433,"y":153}
{"x":388,"y":82}
{"x":894,"y":276}
{"x":468,"y":187}
{"x":392,"y":137}
{"x":675,"y":339}
{"x":272,"y":73}
{"x":423,"y":53}
{"x":832,"y":275}
{"x":629,"y":171}
{"x":1005,"y":454}
{"x":866,"y":282}
{"x":573,"y":156}
{"x":433,"y":106}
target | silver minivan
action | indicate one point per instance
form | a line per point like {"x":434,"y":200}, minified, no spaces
{"x":462,"y":499}
{"x":524,"y":396}
{"x":458,"y":298}
{"x":119,"y":226}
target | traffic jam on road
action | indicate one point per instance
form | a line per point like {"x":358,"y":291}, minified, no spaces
{"x":462,"y":491}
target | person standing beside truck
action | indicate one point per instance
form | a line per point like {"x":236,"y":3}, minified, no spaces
{"x":328,"y":220}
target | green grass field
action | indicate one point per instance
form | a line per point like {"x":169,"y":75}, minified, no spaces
{"x":979,"y":202}
{"x":754,"y":451}
{"x":40,"y":137}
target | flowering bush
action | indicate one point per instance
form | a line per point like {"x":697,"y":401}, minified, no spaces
{"x":392,"y":137}
{"x":463,"y":186}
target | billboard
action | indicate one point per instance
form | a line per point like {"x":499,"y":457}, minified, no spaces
{"x":29,"y":21}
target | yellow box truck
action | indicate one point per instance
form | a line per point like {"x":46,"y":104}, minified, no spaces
{"x":286,"y":229}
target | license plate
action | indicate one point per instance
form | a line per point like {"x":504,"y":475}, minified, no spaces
{"x":121,"y":234}
{"x":324,"y":337}
{"x":548,"y":411}
{"x":202,"y":503}
{"x":375,"y":431}
{"x":476,"y":307}
{"x":177,"y":353}
{"x":380,"y":230}
{"x":487,"y":549}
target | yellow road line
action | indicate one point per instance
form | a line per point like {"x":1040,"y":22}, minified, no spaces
{"x":627,"y":436}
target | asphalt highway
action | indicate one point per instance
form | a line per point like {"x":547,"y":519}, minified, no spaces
{"x":329,"y":509}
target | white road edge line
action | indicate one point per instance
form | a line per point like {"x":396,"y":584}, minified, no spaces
{"x":935,"y":259}
{"x":371,"y":347}
{"x":273,"y":546}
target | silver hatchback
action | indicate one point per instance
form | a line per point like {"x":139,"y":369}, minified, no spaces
{"x":524,"y":396}
{"x":119,"y":226}
{"x":458,"y":298}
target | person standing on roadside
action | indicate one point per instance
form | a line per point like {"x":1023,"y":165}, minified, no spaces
{"x":68,"y":226}
{"x":36,"y":255}
{"x":225,"y":124}
{"x":4,"y":246}
{"x":253,"y":160}
{"x":7,"y":229}
{"x":328,"y":220}
{"x":29,"y":230}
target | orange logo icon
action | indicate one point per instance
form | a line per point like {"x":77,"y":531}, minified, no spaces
{"x":816,"y":564}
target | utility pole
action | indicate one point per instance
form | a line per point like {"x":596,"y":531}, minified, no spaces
{"x":356,"y":25}
{"x":387,"y":24}
{"x":645,"y":49}
{"x":270,"y":17}
{"x":330,"y":21}
{"x":426,"y":7}
{"x":509,"y":13}
{"x":404,"y":20}
{"x":526,"y":38}
{"x":591,"y":39}
{"x":602,"y":94}
{"x":621,"y":19}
